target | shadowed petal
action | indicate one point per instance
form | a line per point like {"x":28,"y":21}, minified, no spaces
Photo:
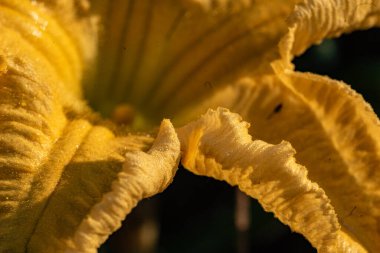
{"x":327,"y":124}
{"x":349,"y":174}
{"x":315,"y":20}
{"x":350,"y":123}
{"x":143,"y":175}
{"x":67,"y":181}
{"x":218,"y":145}
{"x":161,"y":55}
{"x":335,"y":132}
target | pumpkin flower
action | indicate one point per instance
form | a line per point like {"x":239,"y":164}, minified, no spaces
{"x":69,"y":175}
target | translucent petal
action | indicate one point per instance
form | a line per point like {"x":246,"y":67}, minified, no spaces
{"x":315,"y":20}
{"x":335,"y":132}
{"x":218,"y":145}
{"x":353,"y":131}
{"x":327,"y":124}
{"x":350,"y":123}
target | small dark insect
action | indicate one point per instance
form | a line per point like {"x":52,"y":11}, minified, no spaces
{"x":278,"y":108}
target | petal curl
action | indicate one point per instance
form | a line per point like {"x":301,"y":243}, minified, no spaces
{"x":334,"y":132}
{"x":315,"y":20}
{"x":353,"y":130}
{"x":352,"y":126}
{"x":67,"y":181}
{"x":143,"y":175}
{"x":218,"y":145}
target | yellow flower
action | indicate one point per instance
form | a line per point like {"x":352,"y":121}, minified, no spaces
{"x":68,"y":177}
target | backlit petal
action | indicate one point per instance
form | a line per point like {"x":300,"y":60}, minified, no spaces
{"x":218,"y":145}
{"x":335,"y":132}
{"x":353,"y":131}
{"x":349,"y":122}
{"x":315,"y":20}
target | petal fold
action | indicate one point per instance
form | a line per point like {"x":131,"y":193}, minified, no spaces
{"x":353,"y":130}
{"x":61,"y":164}
{"x":352,"y":127}
{"x":218,"y":145}
{"x":143,"y":174}
{"x":69,"y":179}
{"x":315,"y":20}
{"x":334,"y":132}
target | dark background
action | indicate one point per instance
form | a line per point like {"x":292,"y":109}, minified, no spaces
{"x":196,"y":214}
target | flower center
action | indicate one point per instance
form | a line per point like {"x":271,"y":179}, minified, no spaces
{"x":162,"y":58}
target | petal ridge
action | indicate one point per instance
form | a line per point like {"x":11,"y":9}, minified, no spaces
{"x":224,"y":150}
{"x":315,"y":20}
{"x":143,"y":175}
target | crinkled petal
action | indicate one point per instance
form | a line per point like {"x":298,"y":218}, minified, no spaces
{"x":161,"y":55}
{"x":329,"y":126}
{"x":68,"y":183}
{"x":349,"y":122}
{"x":315,"y":20}
{"x":350,"y":177}
{"x":335,"y":132}
{"x":67,"y":178}
{"x":143,"y":174}
{"x":218,"y":145}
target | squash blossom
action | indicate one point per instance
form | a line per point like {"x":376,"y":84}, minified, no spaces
{"x":69,"y":174}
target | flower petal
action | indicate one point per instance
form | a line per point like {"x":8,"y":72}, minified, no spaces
{"x":67,"y":178}
{"x":336,"y":136}
{"x":316,"y":20}
{"x":143,"y":175}
{"x":218,"y":145}
{"x":161,"y":55}
{"x":43,"y":33}
{"x":350,"y":123}
{"x":71,"y":189}
{"x":353,"y":130}
{"x":334,"y":132}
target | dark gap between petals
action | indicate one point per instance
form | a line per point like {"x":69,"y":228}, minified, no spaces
{"x":353,"y":58}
